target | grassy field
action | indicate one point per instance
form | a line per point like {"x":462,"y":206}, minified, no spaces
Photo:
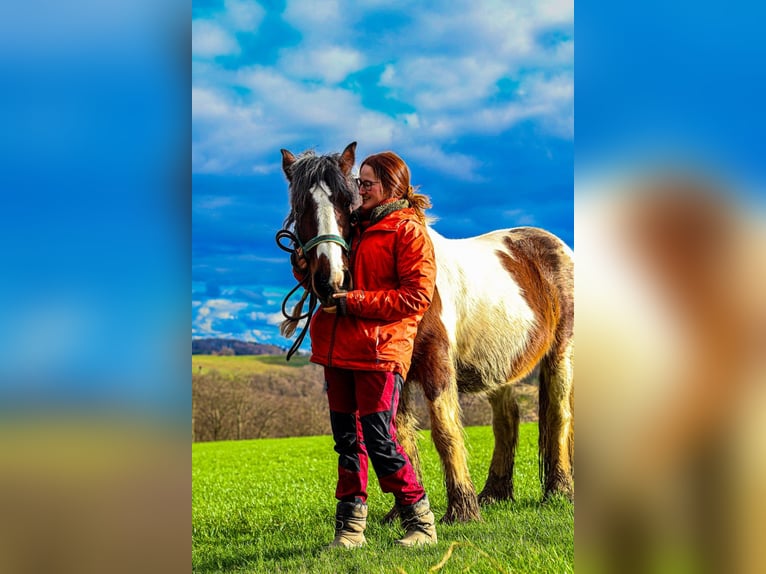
{"x":245,"y":364}
{"x":267,"y":506}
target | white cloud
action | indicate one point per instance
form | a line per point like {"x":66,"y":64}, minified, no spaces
{"x":458,"y":165}
{"x":231,"y":131}
{"x":446,"y":89}
{"x":210,"y":40}
{"x":212,"y":313}
{"x":239,"y":131}
{"x":300,"y":104}
{"x":256,"y":336}
{"x":555,"y":96}
{"x":435,"y":84}
{"x":563,"y":53}
{"x":270,"y":318}
{"x":315,"y":18}
{"x":212,"y":202}
{"x":243,"y":15}
{"x":215,"y":36}
{"x":330,"y":64}
{"x":220,"y":308}
{"x":518,"y":217}
{"x":495,"y":31}
{"x":547,"y":100}
{"x":207,"y":104}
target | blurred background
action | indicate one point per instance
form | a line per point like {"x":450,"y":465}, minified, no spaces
{"x":671,"y":317}
{"x":94,"y":276}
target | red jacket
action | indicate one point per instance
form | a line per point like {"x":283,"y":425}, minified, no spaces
{"x":394,"y":273}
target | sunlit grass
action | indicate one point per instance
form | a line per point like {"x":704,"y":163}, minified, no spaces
{"x":245,"y":364}
{"x":267,"y":506}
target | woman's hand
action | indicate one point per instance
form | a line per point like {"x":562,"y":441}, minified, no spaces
{"x":342,"y":295}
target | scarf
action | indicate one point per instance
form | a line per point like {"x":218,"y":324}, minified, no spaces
{"x":381,"y":211}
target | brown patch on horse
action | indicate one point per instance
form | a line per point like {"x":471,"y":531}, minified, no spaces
{"x":541,"y":267}
{"x":545,"y":272}
{"x":431,"y":365}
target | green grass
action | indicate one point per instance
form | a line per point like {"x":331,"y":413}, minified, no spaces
{"x":267,"y":506}
{"x":245,"y":364}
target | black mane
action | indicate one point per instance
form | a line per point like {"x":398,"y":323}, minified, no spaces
{"x":308,"y":170}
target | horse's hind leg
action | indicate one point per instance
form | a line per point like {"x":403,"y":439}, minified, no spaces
{"x":556,"y":441}
{"x":447,"y":434}
{"x":505,"y":425}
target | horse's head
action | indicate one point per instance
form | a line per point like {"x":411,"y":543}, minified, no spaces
{"x":322,"y":194}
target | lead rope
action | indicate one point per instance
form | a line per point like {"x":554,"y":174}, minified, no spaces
{"x":292,"y":319}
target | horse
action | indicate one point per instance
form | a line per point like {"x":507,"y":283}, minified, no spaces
{"x":503,"y":307}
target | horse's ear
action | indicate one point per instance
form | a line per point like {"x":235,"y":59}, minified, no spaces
{"x":347,"y":158}
{"x":288,"y":159}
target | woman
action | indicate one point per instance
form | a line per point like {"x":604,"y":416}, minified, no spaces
{"x":367,"y":351}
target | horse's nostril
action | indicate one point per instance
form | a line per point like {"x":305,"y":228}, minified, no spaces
{"x":322,"y":286}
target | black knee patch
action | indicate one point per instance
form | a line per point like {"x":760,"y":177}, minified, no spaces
{"x":381,"y":447}
{"x":344,"y":432}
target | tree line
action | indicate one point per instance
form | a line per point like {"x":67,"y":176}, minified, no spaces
{"x":283,"y":403}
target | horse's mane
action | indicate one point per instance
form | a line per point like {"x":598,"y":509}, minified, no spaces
{"x":308,"y":170}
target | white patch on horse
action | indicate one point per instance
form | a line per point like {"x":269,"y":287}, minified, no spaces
{"x":328,"y":225}
{"x":484,"y":310}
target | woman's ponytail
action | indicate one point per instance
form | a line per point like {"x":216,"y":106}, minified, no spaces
{"x":418,"y":202}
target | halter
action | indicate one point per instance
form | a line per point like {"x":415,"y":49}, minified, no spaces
{"x":310,"y":244}
{"x":323,"y":239}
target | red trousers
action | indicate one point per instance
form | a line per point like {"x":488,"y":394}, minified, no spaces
{"x":362,"y":411}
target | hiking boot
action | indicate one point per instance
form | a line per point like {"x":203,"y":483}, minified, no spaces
{"x":350,"y":521}
{"x":418,"y":522}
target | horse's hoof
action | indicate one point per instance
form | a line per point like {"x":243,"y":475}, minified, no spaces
{"x":566,"y":493}
{"x":490,"y":496}
{"x":496,"y":493}
{"x":461,"y":515}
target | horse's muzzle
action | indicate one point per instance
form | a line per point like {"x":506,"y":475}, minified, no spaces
{"x":325,"y":290}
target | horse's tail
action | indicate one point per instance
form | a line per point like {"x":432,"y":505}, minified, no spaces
{"x":544,"y":435}
{"x":288,"y":326}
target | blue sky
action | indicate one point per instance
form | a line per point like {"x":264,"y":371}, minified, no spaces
{"x":477,"y":97}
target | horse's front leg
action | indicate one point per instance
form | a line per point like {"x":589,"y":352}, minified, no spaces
{"x":447,"y":434}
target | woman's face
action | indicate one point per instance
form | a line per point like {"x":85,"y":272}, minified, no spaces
{"x":373,"y":194}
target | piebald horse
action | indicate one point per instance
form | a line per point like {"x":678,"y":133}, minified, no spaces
{"x":503,"y":305}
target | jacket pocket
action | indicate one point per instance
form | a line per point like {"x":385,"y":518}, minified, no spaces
{"x":357,"y":340}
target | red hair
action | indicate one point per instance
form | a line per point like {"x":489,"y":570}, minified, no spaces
{"x":394,"y":176}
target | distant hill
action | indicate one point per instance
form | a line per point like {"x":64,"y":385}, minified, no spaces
{"x":233,"y":347}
